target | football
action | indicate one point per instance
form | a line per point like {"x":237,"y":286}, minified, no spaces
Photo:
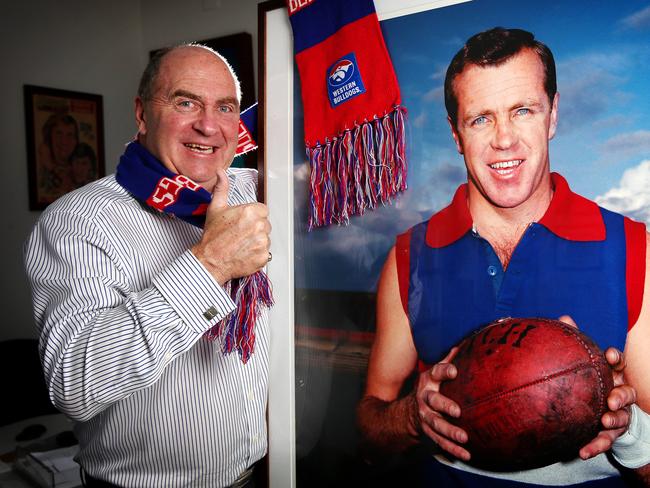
{"x":531,"y":392}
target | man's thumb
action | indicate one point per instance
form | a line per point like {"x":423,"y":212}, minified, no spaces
{"x":220,"y":192}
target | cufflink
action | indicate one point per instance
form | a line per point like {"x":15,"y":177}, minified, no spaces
{"x":210,"y":313}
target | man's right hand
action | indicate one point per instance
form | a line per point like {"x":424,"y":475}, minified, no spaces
{"x":432,"y":405}
{"x":235,"y":240}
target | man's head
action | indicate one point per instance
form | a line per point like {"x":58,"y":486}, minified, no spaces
{"x":502,"y":104}
{"x":61,"y":133}
{"x":187,"y":111}
{"x":492,"y":48}
{"x":83,"y":162}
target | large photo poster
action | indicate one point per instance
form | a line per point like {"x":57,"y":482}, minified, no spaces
{"x":602,"y":147}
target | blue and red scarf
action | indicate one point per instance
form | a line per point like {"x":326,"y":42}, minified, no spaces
{"x":149,"y":181}
{"x":247,"y":136}
{"x":354,"y":121}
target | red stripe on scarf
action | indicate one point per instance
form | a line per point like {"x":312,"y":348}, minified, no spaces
{"x":376,"y":69}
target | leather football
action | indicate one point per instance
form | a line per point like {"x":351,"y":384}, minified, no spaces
{"x":531,"y":392}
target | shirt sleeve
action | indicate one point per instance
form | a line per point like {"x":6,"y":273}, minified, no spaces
{"x":107,"y":331}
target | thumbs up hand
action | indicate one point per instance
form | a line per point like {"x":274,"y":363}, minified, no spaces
{"x":235,"y":240}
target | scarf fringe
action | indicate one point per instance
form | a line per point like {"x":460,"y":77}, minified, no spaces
{"x":237,"y":331}
{"x":357,"y":170}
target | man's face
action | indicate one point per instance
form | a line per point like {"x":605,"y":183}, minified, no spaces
{"x":191,"y":124}
{"x":64,"y":140}
{"x":81,"y":169}
{"x":505,"y":120}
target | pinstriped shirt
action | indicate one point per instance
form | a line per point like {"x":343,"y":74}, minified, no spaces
{"x":119,"y":302}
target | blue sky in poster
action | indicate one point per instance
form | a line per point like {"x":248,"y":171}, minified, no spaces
{"x":602,"y":52}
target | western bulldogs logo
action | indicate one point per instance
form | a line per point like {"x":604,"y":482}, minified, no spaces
{"x":344,"y":80}
{"x":341,"y":72}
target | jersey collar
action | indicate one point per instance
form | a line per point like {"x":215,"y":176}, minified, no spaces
{"x":568,"y":216}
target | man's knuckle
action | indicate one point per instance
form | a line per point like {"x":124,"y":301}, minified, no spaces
{"x":432,"y":420}
{"x":248,"y":211}
{"x":632,"y":394}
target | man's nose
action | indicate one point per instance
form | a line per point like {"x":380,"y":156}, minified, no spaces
{"x":207,"y":123}
{"x":505,"y":135}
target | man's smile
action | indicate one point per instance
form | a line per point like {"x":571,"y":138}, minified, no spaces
{"x":200,"y":148}
{"x":505,"y":167}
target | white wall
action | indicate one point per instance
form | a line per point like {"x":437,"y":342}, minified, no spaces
{"x":96,"y":47}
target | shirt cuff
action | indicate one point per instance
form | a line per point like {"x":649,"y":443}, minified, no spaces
{"x":193,"y":293}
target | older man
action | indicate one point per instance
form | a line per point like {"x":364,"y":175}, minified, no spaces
{"x":515,"y":241}
{"x":127,"y":297}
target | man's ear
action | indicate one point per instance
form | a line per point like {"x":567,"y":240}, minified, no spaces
{"x":455,"y":135}
{"x":139,"y":116}
{"x":554,"y":116}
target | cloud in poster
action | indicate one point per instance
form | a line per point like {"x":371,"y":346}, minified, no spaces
{"x":351,"y":256}
{"x":420,"y":120}
{"x":301,"y":172}
{"x":439,"y":184}
{"x":357,"y":251}
{"x":435,"y":94}
{"x":588,"y":85}
{"x":615,"y":121}
{"x":439,"y":74}
{"x":638,"y":20}
{"x":632,"y":195}
{"x":434,"y":174}
{"x":628,"y":144}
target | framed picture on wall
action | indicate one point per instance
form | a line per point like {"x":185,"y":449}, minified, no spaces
{"x":65,"y":142}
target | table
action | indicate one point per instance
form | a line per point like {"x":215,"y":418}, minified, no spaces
{"x":54,"y":424}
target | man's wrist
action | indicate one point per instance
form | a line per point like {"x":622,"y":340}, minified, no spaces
{"x":632,"y":449}
{"x":414,"y":427}
{"x":213,"y":268}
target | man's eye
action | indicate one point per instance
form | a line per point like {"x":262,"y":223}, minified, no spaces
{"x":523,"y":111}
{"x":186,"y":105}
{"x":480,"y":120}
{"x":226,"y":109}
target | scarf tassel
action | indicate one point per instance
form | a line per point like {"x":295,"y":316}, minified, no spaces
{"x":249,"y":293}
{"x":357,"y":170}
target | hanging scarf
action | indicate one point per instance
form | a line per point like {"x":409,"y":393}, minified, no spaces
{"x":149,"y":181}
{"x":247,"y":136}
{"x":354,"y":121}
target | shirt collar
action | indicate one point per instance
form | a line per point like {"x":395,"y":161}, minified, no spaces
{"x":568,"y":216}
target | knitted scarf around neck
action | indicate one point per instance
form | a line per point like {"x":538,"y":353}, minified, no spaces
{"x":150,"y":182}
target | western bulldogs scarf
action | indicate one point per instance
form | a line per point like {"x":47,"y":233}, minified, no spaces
{"x":354,"y":123}
{"x":145,"y":177}
{"x":247,"y":136}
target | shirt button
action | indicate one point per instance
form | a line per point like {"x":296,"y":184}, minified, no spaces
{"x":251,"y":397}
{"x":492,"y":270}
